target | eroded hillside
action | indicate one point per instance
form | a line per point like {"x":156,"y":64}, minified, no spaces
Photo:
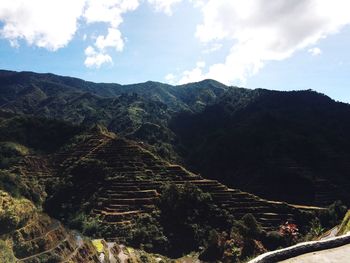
{"x":29,"y":236}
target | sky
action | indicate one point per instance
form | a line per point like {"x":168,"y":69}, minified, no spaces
{"x":280,"y":44}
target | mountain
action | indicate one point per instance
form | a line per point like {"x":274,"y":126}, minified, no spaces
{"x":28,"y":92}
{"x":113,"y":188}
{"x":291,"y":146}
{"x":106,"y":186}
{"x":129,"y":110}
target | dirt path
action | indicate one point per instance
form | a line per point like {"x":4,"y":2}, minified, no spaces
{"x":46,"y":251}
{"x":334,"y":255}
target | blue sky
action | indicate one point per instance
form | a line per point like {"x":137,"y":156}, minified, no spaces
{"x":283,"y":45}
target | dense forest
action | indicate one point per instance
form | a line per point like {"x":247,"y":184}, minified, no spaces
{"x":280,"y":145}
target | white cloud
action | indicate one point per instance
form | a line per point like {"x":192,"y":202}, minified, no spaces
{"x":96,"y":59}
{"x":110,"y":12}
{"x":259,"y":30}
{"x":315,"y":51}
{"x":164,"y":5}
{"x":262,"y":31}
{"x":193,"y":75}
{"x":170,"y":78}
{"x":47,"y":24}
{"x":51,"y":24}
{"x":113,"y":39}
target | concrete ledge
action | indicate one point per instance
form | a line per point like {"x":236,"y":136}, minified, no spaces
{"x":302,"y":248}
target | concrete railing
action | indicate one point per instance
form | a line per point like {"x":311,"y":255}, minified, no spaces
{"x":302,"y":248}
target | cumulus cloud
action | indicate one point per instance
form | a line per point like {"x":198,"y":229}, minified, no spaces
{"x":262,"y":31}
{"x":258,"y":30}
{"x":164,"y":5}
{"x":113,"y":39}
{"x":315,"y":51}
{"x":52,"y":24}
{"x":95,"y":59}
{"x":193,"y":75}
{"x":46,"y":24}
{"x":110,"y":12}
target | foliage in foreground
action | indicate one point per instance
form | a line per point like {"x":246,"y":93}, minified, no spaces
{"x":345,"y":225}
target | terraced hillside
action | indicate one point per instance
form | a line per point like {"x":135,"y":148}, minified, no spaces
{"x":120,"y":180}
{"x":290,"y":146}
{"x":28,"y":236}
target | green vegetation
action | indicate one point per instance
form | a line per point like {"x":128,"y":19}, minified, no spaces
{"x":39,"y":134}
{"x":333,"y":215}
{"x":26,"y":232}
{"x":288,"y":142}
{"x":13,"y":212}
{"x":345,"y":225}
{"x":188,"y":215}
{"x":87,"y":225}
{"x":283,"y":145}
{"x":12,"y":183}
{"x":148,"y":234}
{"x":316,"y":230}
{"x":324,"y":220}
{"x":11,"y":153}
{"x":6,"y":253}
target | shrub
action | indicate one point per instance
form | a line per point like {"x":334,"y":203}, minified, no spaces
{"x":316,"y":229}
{"x":6,"y":253}
{"x":273,"y":240}
{"x":333,"y":215}
{"x":187,"y":215}
{"x":248,"y":227}
{"x":148,"y":234}
{"x":91,"y":227}
{"x":13,"y":212}
{"x":87,"y":225}
{"x":214,"y":249}
{"x":13,"y":184}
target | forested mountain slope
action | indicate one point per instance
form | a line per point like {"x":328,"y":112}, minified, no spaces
{"x":139,"y":111}
{"x":107,"y":186}
{"x":291,"y":146}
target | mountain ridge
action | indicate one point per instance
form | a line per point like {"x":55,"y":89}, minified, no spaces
{"x":253,"y":135}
